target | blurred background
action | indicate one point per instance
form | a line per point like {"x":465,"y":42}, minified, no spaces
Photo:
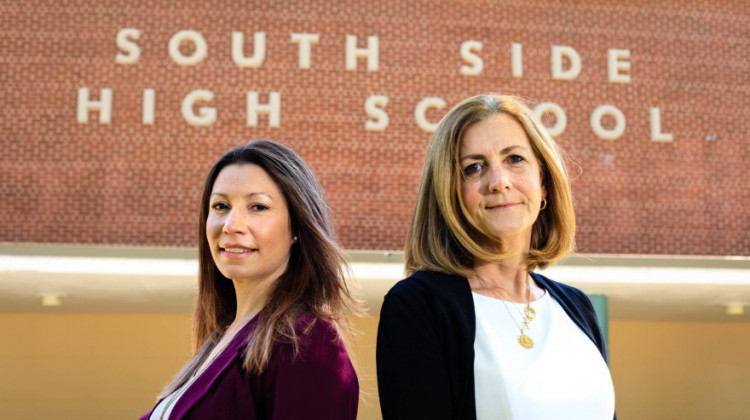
{"x":114,"y":112}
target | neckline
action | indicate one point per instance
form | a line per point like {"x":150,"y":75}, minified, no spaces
{"x":174,"y":399}
{"x":533,"y":278}
{"x":203,"y":380}
{"x":538,"y":300}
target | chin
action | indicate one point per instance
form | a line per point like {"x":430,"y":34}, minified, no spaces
{"x":502,"y":231}
{"x":228,"y":274}
{"x":232,"y":272}
{"x":506,"y":231}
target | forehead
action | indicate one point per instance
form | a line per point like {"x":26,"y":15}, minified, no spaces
{"x":494,"y":134}
{"x":245,"y":178}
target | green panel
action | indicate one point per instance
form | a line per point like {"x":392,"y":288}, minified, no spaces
{"x":601,"y":306}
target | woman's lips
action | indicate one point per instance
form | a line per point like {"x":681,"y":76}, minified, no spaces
{"x":502,"y":206}
{"x":237,"y":252}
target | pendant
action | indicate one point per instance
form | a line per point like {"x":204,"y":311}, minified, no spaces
{"x":529,"y":312}
{"x":525,"y":341}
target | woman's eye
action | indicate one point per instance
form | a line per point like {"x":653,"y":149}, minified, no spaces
{"x":258,"y":207}
{"x":472,"y":169}
{"x":516,"y":159}
{"x":219,"y":206}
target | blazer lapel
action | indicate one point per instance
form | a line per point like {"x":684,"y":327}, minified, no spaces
{"x":208,"y":377}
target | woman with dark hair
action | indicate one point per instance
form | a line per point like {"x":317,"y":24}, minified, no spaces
{"x":474,"y":332}
{"x":272,"y":295}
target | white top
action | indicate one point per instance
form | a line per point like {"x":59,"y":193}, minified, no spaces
{"x":164,"y":409}
{"x":172,"y":400}
{"x":563,"y":377}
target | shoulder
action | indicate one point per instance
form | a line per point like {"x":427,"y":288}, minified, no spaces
{"x":315,"y":334}
{"x":316,"y":380}
{"x":320,"y":349}
{"x":576,"y":304}
{"x":320,"y":353}
{"x":430,"y":283}
{"x":428,"y":298}
{"x":562,"y":291}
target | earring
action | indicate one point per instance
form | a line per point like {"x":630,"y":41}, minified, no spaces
{"x":294,"y":238}
{"x":544,"y":204}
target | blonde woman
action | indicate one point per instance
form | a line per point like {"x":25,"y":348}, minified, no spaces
{"x":474,"y":332}
{"x":271,"y":298}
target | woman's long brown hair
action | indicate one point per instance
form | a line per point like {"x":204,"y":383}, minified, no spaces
{"x":314,"y":282}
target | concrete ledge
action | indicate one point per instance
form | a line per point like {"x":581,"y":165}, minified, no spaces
{"x":88,"y":278}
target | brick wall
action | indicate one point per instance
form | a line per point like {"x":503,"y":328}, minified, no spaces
{"x":130,"y":183}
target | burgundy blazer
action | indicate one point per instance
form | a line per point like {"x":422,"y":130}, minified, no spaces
{"x":320,"y":383}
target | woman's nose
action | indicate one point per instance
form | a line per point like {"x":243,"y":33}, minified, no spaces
{"x":498,"y":179}
{"x":235,"y":221}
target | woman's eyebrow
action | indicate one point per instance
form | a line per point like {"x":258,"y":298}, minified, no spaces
{"x":472,"y":156}
{"x":248,"y":195}
{"x":504,"y":151}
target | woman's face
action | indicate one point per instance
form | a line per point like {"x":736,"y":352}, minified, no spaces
{"x":248,"y":226}
{"x":501,"y":186}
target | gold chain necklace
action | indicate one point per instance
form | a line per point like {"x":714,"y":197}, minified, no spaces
{"x":527,"y":316}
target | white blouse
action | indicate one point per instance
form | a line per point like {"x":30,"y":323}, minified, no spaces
{"x":563,"y":377}
{"x":172,"y":399}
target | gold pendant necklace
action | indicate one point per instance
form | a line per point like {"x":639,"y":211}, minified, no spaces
{"x":527,"y":316}
{"x":525,"y":341}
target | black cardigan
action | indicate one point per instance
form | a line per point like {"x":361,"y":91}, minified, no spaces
{"x":425,"y":348}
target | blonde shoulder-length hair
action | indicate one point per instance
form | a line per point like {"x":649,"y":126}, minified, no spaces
{"x":442,"y":237}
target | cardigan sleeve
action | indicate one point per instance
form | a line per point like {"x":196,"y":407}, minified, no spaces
{"x":318,"y":383}
{"x":413,"y":379}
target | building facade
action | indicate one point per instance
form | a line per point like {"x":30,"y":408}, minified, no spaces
{"x":115,"y":112}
